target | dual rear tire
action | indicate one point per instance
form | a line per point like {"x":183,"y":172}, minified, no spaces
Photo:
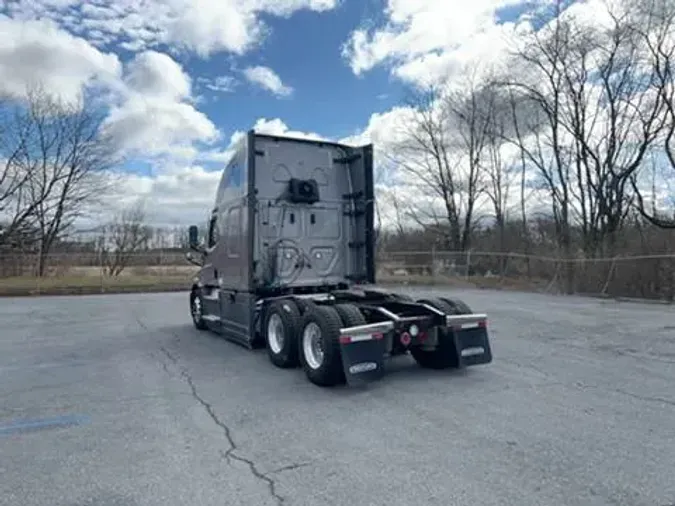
{"x":311,"y":339}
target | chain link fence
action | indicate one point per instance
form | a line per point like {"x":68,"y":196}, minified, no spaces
{"x":644,"y":277}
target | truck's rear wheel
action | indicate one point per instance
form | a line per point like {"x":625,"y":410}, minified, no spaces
{"x":320,"y":346}
{"x":280,"y":331}
{"x":197,"y":309}
{"x":350,"y":315}
{"x":460,"y":306}
{"x":444,"y":355}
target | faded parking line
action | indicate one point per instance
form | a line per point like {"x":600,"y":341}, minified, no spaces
{"x":36,"y":424}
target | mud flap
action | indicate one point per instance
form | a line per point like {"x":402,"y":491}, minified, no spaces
{"x":363,"y":361}
{"x":473,"y":346}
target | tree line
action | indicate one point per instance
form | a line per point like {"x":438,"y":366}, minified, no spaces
{"x":562,"y":150}
{"x":576,"y":137}
{"x":57,"y":165}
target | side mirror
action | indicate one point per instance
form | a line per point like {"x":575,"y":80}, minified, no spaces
{"x":193,"y":237}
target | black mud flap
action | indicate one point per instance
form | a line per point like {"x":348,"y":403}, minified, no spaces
{"x":363,"y":361}
{"x":473,"y":346}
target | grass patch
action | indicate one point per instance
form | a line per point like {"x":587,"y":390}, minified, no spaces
{"x":89,"y":284}
{"x":85,"y":281}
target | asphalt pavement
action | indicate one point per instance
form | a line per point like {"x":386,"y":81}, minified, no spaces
{"x":116,"y":400}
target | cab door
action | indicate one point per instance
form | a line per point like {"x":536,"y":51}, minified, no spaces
{"x":209,"y":273}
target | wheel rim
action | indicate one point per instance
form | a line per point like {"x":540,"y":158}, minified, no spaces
{"x":196,"y":308}
{"x":312,"y":346}
{"x":275,"y":333}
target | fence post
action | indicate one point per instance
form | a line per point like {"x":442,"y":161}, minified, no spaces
{"x":612,"y":267}
{"x":100,"y":267}
{"x":468,"y":264}
{"x":38,"y":282}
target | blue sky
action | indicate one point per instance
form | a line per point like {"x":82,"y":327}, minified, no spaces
{"x":305,"y":52}
{"x":335,"y":68}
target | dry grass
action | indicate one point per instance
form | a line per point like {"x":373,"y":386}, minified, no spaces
{"x":90,"y":280}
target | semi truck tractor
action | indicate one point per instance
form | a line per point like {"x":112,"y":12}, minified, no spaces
{"x":288,"y":264}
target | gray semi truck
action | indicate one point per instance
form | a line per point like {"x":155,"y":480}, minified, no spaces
{"x":288,"y":263}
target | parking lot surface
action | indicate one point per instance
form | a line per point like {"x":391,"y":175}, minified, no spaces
{"x":116,"y":400}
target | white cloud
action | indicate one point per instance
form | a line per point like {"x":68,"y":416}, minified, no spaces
{"x":153,"y":126}
{"x":157,"y":75}
{"x":277,"y":127}
{"x":151,"y":98}
{"x":180,"y":194}
{"x":273,"y":126}
{"x":152,"y":110}
{"x":202,"y":26}
{"x":219,"y":84}
{"x":426,"y":40}
{"x":156,"y":115}
{"x":267,"y":79}
{"x":384,"y":129}
{"x":432,"y":41}
{"x":38,"y":52}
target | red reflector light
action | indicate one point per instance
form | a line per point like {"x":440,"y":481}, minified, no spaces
{"x":345,"y":339}
{"x":405,"y":339}
{"x":378,"y":335}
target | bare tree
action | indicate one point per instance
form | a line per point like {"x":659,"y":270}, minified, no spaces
{"x":537,"y":99}
{"x":126,"y":235}
{"x":515,"y":135}
{"x":16,"y":130}
{"x":498,"y":165}
{"x":613,"y":118}
{"x":654,"y":23}
{"x":57,"y":165}
{"x":399,"y":213}
{"x":68,"y":158}
{"x":444,"y":149}
{"x":596,"y":117}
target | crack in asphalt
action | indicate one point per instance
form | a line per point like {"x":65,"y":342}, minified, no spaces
{"x":645,"y":398}
{"x":582,"y":386}
{"x":291,"y":467}
{"x":230,"y":454}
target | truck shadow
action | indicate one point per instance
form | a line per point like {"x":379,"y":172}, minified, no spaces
{"x":192,"y":348}
{"x":405,"y":368}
